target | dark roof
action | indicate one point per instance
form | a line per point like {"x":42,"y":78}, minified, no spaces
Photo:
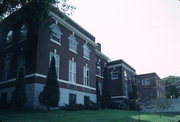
{"x":148,"y":75}
{"x":120,"y":61}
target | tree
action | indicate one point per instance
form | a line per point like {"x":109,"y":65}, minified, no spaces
{"x":36,"y":10}
{"x":19,"y":98}
{"x":105,"y":91}
{"x":162,"y":104}
{"x":49,"y":97}
{"x":172,"y":86}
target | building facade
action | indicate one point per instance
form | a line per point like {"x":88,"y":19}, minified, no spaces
{"x":72,"y":46}
{"x":149,"y":86}
{"x":121,"y":77}
{"x":78,"y":58}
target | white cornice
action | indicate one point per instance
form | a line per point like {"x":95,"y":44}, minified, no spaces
{"x":102,"y":55}
{"x":122,"y":65}
{"x":44,"y":76}
{"x":73,"y":29}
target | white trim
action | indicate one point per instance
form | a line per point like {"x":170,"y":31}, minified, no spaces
{"x":119,"y":97}
{"x":73,"y":29}
{"x":55,"y":42}
{"x":99,"y":76}
{"x":73,"y":51}
{"x":102,"y":55}
{"x":44,"y":76}
{"x":123,"y":65}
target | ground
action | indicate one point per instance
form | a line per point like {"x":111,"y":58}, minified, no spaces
{"x":108,"y":115}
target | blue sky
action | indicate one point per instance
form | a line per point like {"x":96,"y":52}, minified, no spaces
{"x":144,"y":33}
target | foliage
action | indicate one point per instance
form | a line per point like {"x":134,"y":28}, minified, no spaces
{"x":19,"y":97}
{"x":172,"y":86}
{"x":106,"y":100}
{"x":72,"y":107}
{"x":162,"y":104}
{"x":49,"y":97}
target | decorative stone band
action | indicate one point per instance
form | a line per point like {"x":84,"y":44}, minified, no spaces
{"x":44,"y":76}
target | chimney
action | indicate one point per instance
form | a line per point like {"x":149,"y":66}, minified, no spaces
{"x":98,"y":47}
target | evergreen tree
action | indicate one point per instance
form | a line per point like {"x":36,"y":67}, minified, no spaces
{"x":98,"y":93}
{"x":49,"y":97}
{"x":19,"y":98}
{"x":106,"y":100}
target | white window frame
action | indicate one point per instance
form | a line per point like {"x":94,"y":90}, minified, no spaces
{"x":9,"y":36}
{"x":99,"y":71}
{"x":73,"y":43}
{"x":86,"y":75}
{"x":7,"y":67}
{"x":23,"y":32}
{"x":54,"y":27}
{"x":125,"y":75}
{"x":145,"y":82}
{"x":86,"y":51}
{"x":113,"y":76}
{"x":72,"y":71}
{"x":57,"y":62}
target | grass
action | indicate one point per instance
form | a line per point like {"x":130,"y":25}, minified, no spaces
{"x":108,"y":115}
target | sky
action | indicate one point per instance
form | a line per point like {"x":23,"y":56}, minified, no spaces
{"x":144,"y":33}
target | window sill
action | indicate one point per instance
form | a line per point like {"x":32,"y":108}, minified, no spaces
{"x":56,"y":42}
{"x":73,"y":51}
{"x":86,"y":58}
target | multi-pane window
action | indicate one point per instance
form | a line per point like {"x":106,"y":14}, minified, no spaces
{"x":7,"y":67}
{"x":23,"y":32}
{"x":57,"y":59}
{"x":55,"y":33}
{"x":125,"y":75}
{"x":86,"y":75}
{"x":73,"y":43}
{"x":114,"y":75}
{"x":72,"y":71}
{"x":98,"y":70}
{"x":9,"y":36}
{"x":126,"y":88}
{"x":72,"y":98}
{"x":145,"y":82}
{"x":86,"y":51}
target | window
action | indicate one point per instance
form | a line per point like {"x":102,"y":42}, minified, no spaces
{"x":21,"y":63}
{"x":9,"y":36}
{"x":55,"y":33}
{"x":86,"y":76}
{"x":23,"y":33}
{"x":72,"y":98}
{"x":86,"y":100}
{"x":72,"y":71}
{"x":126,"y":88}
{"x":7,"y":67}
{"x":145,"y":82}
{"x":98,"y":70}
{"x":57,"y":59}
{"x":114,"y":75}
{"x":72,"y":43}
{"x":86,"y":51}
{"x":125,"y":75}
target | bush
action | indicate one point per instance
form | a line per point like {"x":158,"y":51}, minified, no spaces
{"x":72,"y":107}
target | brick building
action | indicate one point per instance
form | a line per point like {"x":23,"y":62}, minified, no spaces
{"x":79,"y":61}
{"x":149,"y":86}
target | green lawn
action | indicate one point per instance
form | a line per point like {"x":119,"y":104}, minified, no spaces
{"x":108,"y":115}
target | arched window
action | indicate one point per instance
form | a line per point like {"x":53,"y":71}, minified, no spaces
{"x":86,"y":51}
{"x":72,"y":43}
{"x":23,"y":32}
{"x":9,"y":36}
{"x":55,"y":33}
